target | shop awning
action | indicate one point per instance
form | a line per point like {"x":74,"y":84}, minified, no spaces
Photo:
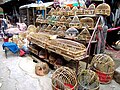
{"x":4,"y":1}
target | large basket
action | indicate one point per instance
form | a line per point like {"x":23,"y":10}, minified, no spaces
{"x":103,"y":9}
{"x":64,"y":79}
{"x":104,"y":66}
{"x":88,"y":80}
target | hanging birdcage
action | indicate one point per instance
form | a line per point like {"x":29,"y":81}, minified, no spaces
{"x":104,"y":66}
{"x":64,"y":79}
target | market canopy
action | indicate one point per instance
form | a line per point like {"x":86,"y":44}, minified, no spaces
{"x":4,"y":1}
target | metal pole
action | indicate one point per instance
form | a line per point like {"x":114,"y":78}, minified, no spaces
{"x":93,"y":34}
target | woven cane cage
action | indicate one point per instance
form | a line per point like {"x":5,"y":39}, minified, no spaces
{"x":61,"y":11}
{"x":71,"y":33}
{"x":88,"y":80}
{"x":91,"y":9}
{"x":68,"y":21}
{"x":57,"y":19}
{"x":84,"y":35}
{"x":62,"y":21}
{"x":103,"y":9}
{"x":104,"y":66}
{"x":87,"y":22}
{"x":41,"y":68}
{"x":64,"y":28}
{"x":67,"y":48}
{"x":64,"y":79}
{"x":31,"y":28}
{"x":67,"y":11}
{"x":39,"y":19}
{"x":51,"y":11}
{"x":75,"y":22}
{"x":80,"y":11}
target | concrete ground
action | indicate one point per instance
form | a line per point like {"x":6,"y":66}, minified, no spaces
{"x":17,"y":73}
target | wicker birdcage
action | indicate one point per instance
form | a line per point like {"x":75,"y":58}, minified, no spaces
{"x":62,"y":21}
{"x":64,"y":79}
{"x":104,"y":66}
{"x":91,"y":9}
{"x":53,"y":30}
{"x":103,"y":9}
{"x":41,"y":68}
{"x":88,"y":80}
{"x":49,"y":27}
{"x":51,"y":11}
{"x":57,"y":19}
{"x":68,"y":48}
{"x":31,"y":28}
{"x":75,"y":23}
{"x":68,"y":21}
{"x":80,"y":11}
{"x":71,"y":33}
{"x":87,"y":22}
{"x":61,"y":11}
{"x":52,"y":20}
{"x":40,"y":19}
{"x":67,"y":11}
{"x":73,"y":11}
{"x":57,"y":10}
{"x":64,"y":28}
{"x":84,"y":35}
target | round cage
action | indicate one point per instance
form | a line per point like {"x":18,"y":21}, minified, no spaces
{"x":88,"y":80}
{"x":104,"y":66}
{"x":64,"y":79}
{"x":103,"y":9}
{"x":41,"y":68}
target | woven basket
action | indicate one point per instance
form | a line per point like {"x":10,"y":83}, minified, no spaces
{"x":41,"y":69}
{"x":88,"y":80}
{"x":64,"y":79}
{"x":103,"y":9}
{"x":104,"y":66}
{"x":87,"y":21}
